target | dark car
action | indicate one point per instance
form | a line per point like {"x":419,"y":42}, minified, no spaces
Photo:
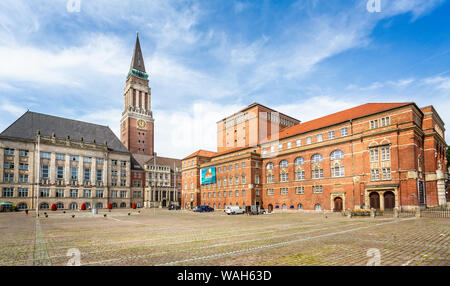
{"x":173,"y":207}
{"x":201,"y":209}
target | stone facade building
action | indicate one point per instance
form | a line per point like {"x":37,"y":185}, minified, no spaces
{"x":51,"y":160}
{"x":48,"y":160}
{"x":380,"y":155}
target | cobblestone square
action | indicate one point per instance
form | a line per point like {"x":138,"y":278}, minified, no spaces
{"x":162,"y":237}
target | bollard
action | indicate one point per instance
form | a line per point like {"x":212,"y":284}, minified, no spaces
{"x":372,"y":213}
{"x":418,"y":212}
{"x":396,"y":215}
{"x":349,"y":214}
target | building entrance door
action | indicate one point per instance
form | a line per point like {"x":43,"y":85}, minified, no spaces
{"x":338,"y":204}
{"x":389,"y":200}
{"x":374,"y":200}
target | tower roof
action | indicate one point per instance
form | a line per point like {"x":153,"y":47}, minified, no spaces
{"x":137,"y":62}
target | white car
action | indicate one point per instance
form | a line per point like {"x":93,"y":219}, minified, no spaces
{"x":233,"y":210}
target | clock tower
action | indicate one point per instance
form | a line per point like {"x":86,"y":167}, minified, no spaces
{"x":137,"y":123}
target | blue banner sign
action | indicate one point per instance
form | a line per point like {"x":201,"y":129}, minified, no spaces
{"x":208,"y":175}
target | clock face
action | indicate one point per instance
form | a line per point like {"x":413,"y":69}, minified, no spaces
{"x":141,"y":124}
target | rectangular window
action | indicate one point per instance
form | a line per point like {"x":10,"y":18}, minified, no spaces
{"x":45,"y":155}
{"x":386,"y":174}
{"x":87,"y":159}
{"x":87,"y":193}
{"x":123,"y":173}
{"x":123,"y":163}
{"x":308,"y":140}
{"x":23,"y":178}
{"x":270,"y":179}
{"x":319,"y":138}
{"x":74,"y":173}
{"x":338,"y":171}
{"x":299,"y":175}
{"x":243,"y":193}
{"x":44,"y":193}
{"x":330,"y":135}
{"x":23,"y":192}
{"x":23,"y":153}
{"x":114,"y":194}
{"x":317,"y":189}
{"x":9,"y":165}
{"x":237,"y":193}
{"x":270,"y":192}
{"x":385,"y":121}
{"x":385,"y":154}
{"x":284,"y":177}
{"x":230,"y":193}
{"x":298,"y":142}
{"x":375,"y":175}
{"x":74,"y":193}
{"x":123,"y":194}
{"x":60,"y":172}
{"x":300,"y":190}
{"x":374,"y":155}
{"x":59,"y":193}
{"x":114,"y":173}
{"x":87,"y":174}
{"x":44,"y":171}
{"x":74,"y":158}
{"x":99,"y":176}
{"x":317,"y":174}
{"x":224,"y":194}
{"x":284,"y":191}
{"x":243,"y":180}
{"x":280,"y":147}
{"x":7,"y":177}
{"x":374,"y":124}
{"x":114,"y":162}
{"x":99,"y":193}
{"x":23,"y":166}
{"x":60,"y":157}
{"x":272,"y":148}
{"x":9,"y":151}
{"x":8,"y":192}
{"x":243,"y":165}
{"x":289,"y":145}
{"x":344,"y":131}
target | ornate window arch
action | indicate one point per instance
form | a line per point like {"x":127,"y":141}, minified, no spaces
{"x":284,"y":164}
{"x":337,"y":155}
{"x":316,"y":158}
{"x":269,"y":166}
{"x":299,"y":161}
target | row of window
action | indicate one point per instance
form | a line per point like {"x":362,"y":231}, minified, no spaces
{"x":298,"y":190}
{"x":76,"y":158}
{"x":60,"y":193}
{"x":237,"y":193}
{"x":298,"y":142}
{"x":11,"y":152}
{"x":316,"y":158}
{"x":381,"y":122}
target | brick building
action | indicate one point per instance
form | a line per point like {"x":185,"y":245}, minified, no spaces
{"x":380,"y":155}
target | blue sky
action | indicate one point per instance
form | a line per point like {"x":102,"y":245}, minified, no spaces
{"x":208,"y":59}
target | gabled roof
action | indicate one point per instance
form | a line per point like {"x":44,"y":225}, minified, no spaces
{"x":137,"y":62}
{"x":336,"y":118}
{"x":30,"y":122}
{"x":164,"y":161}
{"x":201,"y":153}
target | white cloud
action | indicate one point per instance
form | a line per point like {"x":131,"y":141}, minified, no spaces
{"x":438,"y":82}
{"x":11,"y":108}
{"x":99,"y":55}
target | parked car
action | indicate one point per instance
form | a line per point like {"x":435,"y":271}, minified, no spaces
{"x":229,"y":210}
{"x":255,"y":210}
{"x":173,"y":207}
{"x":205,"y":209}
{"x":195,"y":209}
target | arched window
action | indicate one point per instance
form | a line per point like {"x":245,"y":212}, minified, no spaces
{"x":284,"y":207}
{"x":123,"y":205}
{"x":318,"y":207}
{"x":22,"y":206}
{"x":99,"y":205}
{"x":284,"y":164}
{"x":316,"y":158}
{"x":269,"y":166}
{"x":338,"y":154}
{"x":114,"y":205}
{"x":60,"y":206}
{"x":299,"y":161}
{"x":88,"y":205}
{"x":73,"y":206}
{"x":43,"y":206}
{"x":299,"y":206}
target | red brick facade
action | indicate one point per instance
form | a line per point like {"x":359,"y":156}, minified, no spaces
{"x":374,"y":155}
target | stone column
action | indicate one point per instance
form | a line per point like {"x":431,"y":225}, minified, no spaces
{"x":80,"y":170}
{"x":396,"y":213}
{"x":93,"y":171}
{"x":52,"y":168}
{"x":16,"y":165}
{"x":2,"y":161}
{"x":441,"y":176}
{"x":372,"y":213}
{"x":67,"y":169}
{"x":418,"y":215}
